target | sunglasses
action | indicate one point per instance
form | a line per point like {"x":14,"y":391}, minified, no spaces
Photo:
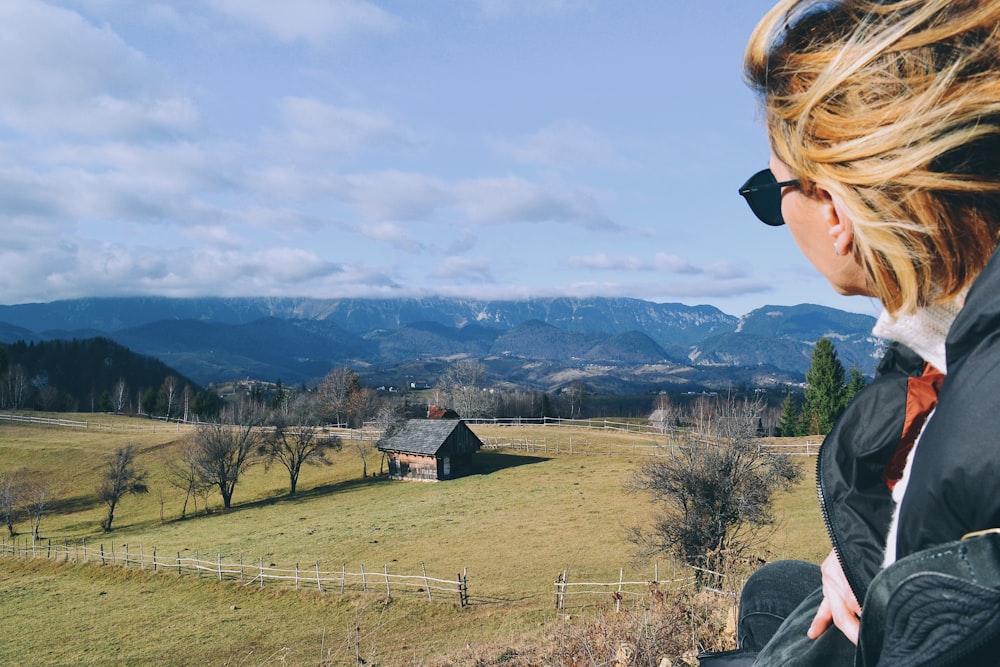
{"x":763,"y":193}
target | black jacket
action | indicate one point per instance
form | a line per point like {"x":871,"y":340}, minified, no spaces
{"x":854,"y":499}
{"x":954,"y":485}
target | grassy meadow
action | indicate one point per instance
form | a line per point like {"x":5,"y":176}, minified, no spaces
{"x":515,"y":526}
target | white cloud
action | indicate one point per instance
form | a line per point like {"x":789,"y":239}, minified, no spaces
{"x":514,"y":199}
{"x":674,"y":264}
{"x":605,"y":262}
{"x":396,"y":195}
{"x":463,"y":270}
{"x":567,"y":143}
{"x":71,"y":76}
{"x":312,"y":126}
{"x":312,"y":21}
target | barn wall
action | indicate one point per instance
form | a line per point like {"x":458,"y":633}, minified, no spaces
{"x":461,"y":441}
{"x":413,"y":467}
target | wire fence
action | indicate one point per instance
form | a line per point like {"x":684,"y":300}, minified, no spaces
{"x":581,"y":593}
{"x":588,"y":446}
{"x":247,"y":573}
{"x":152,"y":424}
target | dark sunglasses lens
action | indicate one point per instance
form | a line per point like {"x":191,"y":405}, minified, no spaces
{"x":764,"y":197}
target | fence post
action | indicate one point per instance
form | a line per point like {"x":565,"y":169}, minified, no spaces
{"x":343,"y":577}
{"x":48,"y":553}
{"x":262,"y":572}
{"x":385,"y":570}
{"x":142,"y":559}
{"x":364,"y":580}
{"x":241,"y":568}
{"x":463,"y":587}
{"x":296,"y":576}
{"x":102,"y":553}
{"x":154,"y":559}
{"x":66,"y":547}
{"x":618,"y":598}
{"x":319,"y":584}
{"x":197,"y":564}
{"x":220,"y":567}
{"x":178,"y":562}
{"x":427,"y":583}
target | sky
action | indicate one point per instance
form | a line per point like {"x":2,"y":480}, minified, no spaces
{"x":486,"y":149}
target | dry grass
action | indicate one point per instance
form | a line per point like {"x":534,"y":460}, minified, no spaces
{"x":525,"y":519}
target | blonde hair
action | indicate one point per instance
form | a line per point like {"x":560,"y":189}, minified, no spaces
{"x":894,"y":108}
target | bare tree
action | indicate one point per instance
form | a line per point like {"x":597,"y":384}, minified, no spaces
{"x":665,"y":414}
{"x":388,"y":418}
{"x":462,"y":386}
{"x":15,"y":387}
{"x":227,"y":448}
{"x":714,"y":488}
{"x":183,"y":473}
{"x":169,"y":393}
{"x":575,"y":396}
{"x":334,"y":392}
{"x":296,"y":438}
{"x":10,"y":501}
{"x":119,"y":395}
{"x":37,"y":498}
{"x":188,"y":393}
{"x":121,"y":478}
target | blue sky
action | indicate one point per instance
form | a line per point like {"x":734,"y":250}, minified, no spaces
{"x":493,"y":149}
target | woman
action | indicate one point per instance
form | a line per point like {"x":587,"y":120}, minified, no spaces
{"x":884,"y":124}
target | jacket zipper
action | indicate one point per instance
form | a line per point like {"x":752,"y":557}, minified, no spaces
{"x":837,"y":547}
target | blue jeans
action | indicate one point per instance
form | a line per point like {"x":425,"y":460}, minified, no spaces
{"x":769,"y":596}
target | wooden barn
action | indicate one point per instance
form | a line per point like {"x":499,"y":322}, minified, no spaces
{"x":430,"y":450}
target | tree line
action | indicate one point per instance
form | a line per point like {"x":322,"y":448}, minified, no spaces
{"x":96,"y":375}
{"x":829,"y":389}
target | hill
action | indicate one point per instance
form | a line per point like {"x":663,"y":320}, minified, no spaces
{"x":90,"y":374}
{"x":640,"y":346}
{"x":525,"y":518}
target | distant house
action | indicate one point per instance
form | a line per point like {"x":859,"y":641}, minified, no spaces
{"x":437,"y":412}
{"x":430,"y":450}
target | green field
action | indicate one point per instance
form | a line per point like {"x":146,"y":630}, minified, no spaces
{"x":527,"y":517}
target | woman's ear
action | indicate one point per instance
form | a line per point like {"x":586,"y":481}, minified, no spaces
{"x":841,"y":228}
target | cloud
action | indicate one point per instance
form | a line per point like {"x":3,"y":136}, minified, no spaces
{"x":393,"y":195}
{"x":462,"y":270}
{"x":312,"y":21}
{"x":80,"y":268}
{"x":605,"y":262}
{"x":674,"y":264}
{"x":514,"y":199}
{"x":400,"y":196}
{"x":312,"y":126}
{"x":392,"y":235}
{"x":567,"y":143}
{"x":73,"y":77}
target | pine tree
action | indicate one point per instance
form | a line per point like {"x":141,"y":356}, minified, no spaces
{"x":826,"y":388}
{"x":791,"y":421}
{"x":855,"y":383}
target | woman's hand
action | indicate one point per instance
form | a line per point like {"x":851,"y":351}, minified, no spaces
{"x":839,"y":605}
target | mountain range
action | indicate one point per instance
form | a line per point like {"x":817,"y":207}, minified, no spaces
{"x":615,"y":345}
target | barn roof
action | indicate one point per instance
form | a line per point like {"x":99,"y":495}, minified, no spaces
{"x":421,"y":436}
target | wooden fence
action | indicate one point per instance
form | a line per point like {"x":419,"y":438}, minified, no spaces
{"x":586,"y":446}
{"x":247,"y":573}
{"x":618,"y":591}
